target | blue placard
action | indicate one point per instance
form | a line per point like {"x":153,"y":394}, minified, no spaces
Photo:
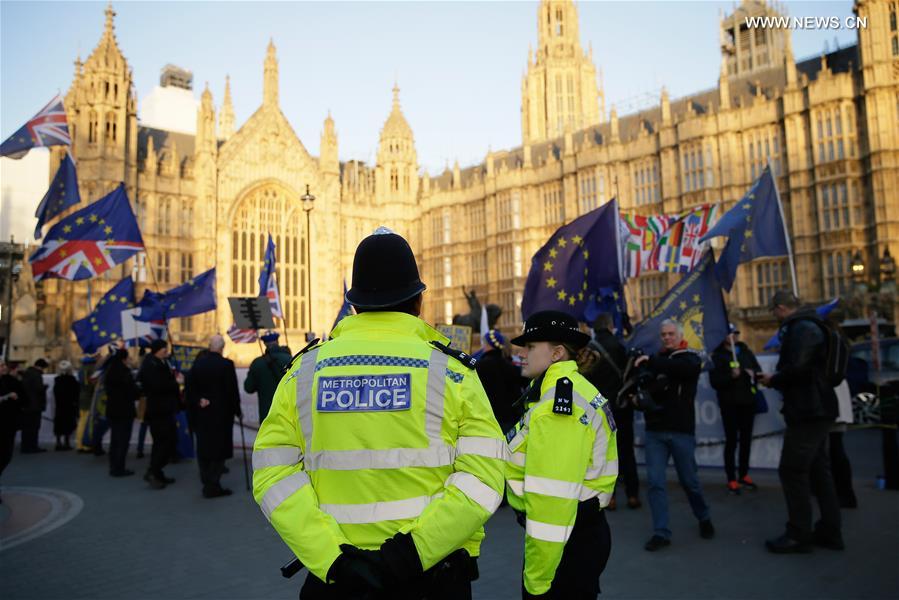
{"x":365,"y":393}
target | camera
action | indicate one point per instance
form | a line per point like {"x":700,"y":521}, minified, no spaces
{"x":640,"y":384}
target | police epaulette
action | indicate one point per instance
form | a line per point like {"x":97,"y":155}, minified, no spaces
{"x":469,"y":361}
{"x":305,"y":349}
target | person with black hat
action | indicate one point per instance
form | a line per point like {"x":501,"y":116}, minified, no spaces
{"x":733,"y":375}
{"x":563,"y":465}
{"x":500,"y":378}
{"x":266,"y":371}
{"x":380,"y":459}
{"x":163,"y":399}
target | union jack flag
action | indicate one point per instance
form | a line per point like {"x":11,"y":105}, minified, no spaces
{"x":242,"y":336}
{"x":89,"y":241}
{"x":48,"y":127}
{"x":268,"y":287}
{"x":678,"y":250}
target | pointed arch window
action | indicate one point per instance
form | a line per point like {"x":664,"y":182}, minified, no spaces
{"x":110,"y":127}
{"x":93,"y":127}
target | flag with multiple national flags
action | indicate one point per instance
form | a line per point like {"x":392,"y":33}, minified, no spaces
{"x":90,"y":241}
{"x":678,"y":249}
{"x":49,"y":127}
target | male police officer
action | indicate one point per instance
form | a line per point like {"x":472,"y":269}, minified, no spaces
{"x":380,"y":459}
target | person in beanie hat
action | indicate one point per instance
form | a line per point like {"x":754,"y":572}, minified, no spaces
{"x":66,"y":391}
{"x":403,"y":458}
{"x":266,"y":371}
{"x":563,"y":465}
{"x":500,"y":378}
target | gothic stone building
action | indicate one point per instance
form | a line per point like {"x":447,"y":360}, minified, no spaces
{"x":829,"y":126}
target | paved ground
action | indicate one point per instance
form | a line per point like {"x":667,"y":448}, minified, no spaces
{"x":131,"y":542}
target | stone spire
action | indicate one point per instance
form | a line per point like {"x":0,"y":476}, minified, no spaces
{"x":613,"y":124}
{"x":789,"y":60}
{"x":328,"y":160}
{"x":226,"y":115}
{"x":723,"y":86}
{"x":270,"y":81}
{"x":666,"y":107}
{"x":206,"y":123}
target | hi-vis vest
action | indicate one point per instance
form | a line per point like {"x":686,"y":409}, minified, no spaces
{"x":377,"y":432}
{"x":563,"y":451}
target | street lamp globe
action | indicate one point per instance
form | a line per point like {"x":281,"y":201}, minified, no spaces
{"x":858,"y":267}
{"x":887,"y":273}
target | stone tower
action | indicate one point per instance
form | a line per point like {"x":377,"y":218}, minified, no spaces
{"x":748,"y":50}
{"x":102,"y":113}
{"x":559,"y":90}
{"x":396,"y":178}
{"x":226,"y":116}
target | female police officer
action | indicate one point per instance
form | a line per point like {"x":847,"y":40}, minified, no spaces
{"x":563,"y":464}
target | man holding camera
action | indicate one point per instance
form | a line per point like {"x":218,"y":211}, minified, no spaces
{"x":670,"y":431}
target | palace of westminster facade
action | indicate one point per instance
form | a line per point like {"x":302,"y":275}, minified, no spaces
{"x":829,"y":127}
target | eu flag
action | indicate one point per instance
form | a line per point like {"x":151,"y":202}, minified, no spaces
{"x":754,"y":227}
{"x":62,"y":194}
{"x":104,"y":324}
{"x":89,"y":241}
{"x":579,"y":257}
{"x":191,"y":298}
{"x":696,"y":302}
{"x":345,"y":309}
{"x":267,"y":285}
{"x":610,"y":300}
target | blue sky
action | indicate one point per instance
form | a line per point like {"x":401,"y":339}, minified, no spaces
{"x":458,"y":64}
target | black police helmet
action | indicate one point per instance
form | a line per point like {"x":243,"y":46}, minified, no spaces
{"x":384,"y":272}
{"x":552,"y":326}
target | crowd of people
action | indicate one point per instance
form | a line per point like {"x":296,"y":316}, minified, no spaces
{"x":433,"y":454}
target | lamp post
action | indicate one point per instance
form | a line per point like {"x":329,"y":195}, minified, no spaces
{"x":887,"y":273}
{"x":858,"y":271}
{"x":308,"y":204}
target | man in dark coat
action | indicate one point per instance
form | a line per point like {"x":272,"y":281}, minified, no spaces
{"x":501,"y":380}
{"x":162,"y":392}
{"x":809,"y":409}
{"x":12,"y":396}
{"x":266,"y":371}
{"x":603,"y":363}
{"x":66,"y":390}
{"x":213,"y":401}
{"x":121,"y":393}
{"x":733,"y":375}
{"x":35,"y":403}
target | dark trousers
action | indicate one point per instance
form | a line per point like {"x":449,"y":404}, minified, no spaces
{"x":142,"y":436}
{"x":841,"y":469}
{"x":627,"y":462}
{"x":101,"y":426}
{"x":805,"y":470}
{"x":165,"y":436}
{"x":450,"y":579}
{"x":738,"y":422}
{"x":31,"y":424}
{"x":7,"y":444}
{"x":211,"y":474}
{"x":119,"y":440}
{"x":890,"y":450}
{"x":584,"y":557}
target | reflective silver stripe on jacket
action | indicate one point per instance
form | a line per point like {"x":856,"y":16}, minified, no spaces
{"x":305,"y":376}
{"x":547,"y":532}
{"x":476,"y":489}
{"x":482,"y":446}
{"x":604,"y":468}
{"x":281,"y":491}
{"x":392,"y":458}
{"x":435,"y":394}
{"x":375,"y":512}
{"x":280,"y":456}
{"x":552,"y":487}
{"x":517,"y":486}
{"x":518,"y":458}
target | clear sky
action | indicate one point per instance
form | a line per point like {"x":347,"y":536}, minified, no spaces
{"x":458,"y":64}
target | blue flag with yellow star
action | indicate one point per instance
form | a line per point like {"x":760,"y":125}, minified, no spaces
{"x":579,"y":258}
{"x":104,"y":324}
{"x":62,"y":194}
{"x":610,"y":300}
{"x":696,"y":303}
{"x":754,"y":227}
{"x":191,"y":298}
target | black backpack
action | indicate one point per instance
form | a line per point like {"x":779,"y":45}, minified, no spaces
{"x":837,"y":355}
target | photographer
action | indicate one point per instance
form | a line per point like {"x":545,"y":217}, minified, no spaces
{"x":670,"y":430}
{"x":603,"y":363}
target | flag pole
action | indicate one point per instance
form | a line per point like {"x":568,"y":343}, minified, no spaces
{"x":783,"y":220}
{"x":165,"y":319}
{"x":284,"y":315}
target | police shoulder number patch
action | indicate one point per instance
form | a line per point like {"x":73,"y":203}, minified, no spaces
{"x":563,"y":403}
{"x":365,"y":393}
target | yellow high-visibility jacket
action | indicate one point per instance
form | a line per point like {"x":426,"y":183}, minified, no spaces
{"x":376,"y":432}
{"x":556,"y":461}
